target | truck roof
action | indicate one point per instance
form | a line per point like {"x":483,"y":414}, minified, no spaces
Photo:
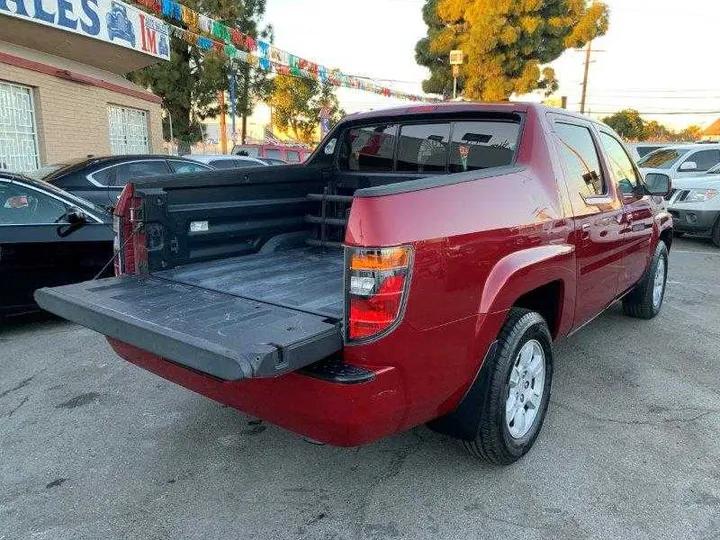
{"x":463,"y":107}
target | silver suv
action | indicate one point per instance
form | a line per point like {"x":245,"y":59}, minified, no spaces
{"x":682,"y":160}
{"x":694,"y":203}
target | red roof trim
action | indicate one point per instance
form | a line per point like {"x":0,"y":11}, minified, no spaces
{"x":76,"y":77}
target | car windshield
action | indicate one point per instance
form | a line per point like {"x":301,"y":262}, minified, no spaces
{"x":662,"y":159}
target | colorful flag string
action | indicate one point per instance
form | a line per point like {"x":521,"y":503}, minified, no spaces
{"x":244,"y":48}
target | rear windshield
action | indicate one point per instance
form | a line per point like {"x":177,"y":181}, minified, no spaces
{"x":662,"y":159}
{"x":430,"y":147}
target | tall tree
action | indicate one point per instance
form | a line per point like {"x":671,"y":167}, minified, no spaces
{"x":631,"y":126}
{"x":297,"y":104}
{"x":628,"y":124}
{"x":506,"y":43}
{"x":189,"y":82}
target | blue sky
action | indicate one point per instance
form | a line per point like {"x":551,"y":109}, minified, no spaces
{"x":659,"y":55}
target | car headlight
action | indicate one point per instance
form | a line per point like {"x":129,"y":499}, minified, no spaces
{"x":700,"y":195}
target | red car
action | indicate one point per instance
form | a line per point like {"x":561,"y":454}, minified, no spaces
{"x":418,"y":268}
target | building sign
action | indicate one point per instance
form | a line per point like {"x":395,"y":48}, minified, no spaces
{"x":106,"y":20}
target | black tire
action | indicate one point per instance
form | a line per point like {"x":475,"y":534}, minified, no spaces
{"x":493,"y":441}
{"x":639,"y":302}
{"x":716,"y":233}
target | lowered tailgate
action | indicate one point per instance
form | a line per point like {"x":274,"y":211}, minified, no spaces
{"x":226,"y":336}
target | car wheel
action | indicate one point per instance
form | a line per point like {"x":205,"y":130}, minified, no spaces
{"x":716,"y":233}
{"x":645,"y":300}
{"x":517,"y":397}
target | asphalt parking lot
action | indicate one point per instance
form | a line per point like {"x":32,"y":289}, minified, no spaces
{"x":93,"y":447}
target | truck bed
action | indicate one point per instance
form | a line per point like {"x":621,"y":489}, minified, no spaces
{"x":305,"y":279}
{"x":259,"y":315}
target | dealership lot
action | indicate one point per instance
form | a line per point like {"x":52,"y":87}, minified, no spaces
{"x":93,"y":447}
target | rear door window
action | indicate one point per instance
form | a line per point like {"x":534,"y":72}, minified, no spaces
{"x":580,"y":158}
{"x":225,"y":163}
{"x":138,"y":169}
{"x":482,"y":144}
{"x":423,"y":147}
{"x":369,"y":148}
{"x":180,"y":166}
{"x":293,"y":156}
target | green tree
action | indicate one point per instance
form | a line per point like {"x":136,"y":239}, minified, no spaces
{"x":506,"y":43}
{"x":297,"y":103}
{"x":690,"y":133}
{"x":189,"y":82}
{"x":628,"y":124}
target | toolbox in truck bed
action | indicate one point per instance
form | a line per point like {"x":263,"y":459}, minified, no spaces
{"x":218,"y":333}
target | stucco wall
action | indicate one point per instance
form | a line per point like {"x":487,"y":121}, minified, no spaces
{"x":72,"y":117}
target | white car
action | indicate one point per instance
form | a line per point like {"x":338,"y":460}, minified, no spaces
{"x":681,"y":160}
{"x":225,"y":161}
{"x":694,"y":203}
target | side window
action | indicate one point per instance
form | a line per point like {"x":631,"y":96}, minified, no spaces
{"x":245,"y":163}
{"x":223,"y":163}
{"x":273,"y":153}
{"x":423,"y":147}
{"x":293,"y":156}
{"x":621,"y":168}
{"x":185,"y":167}
{"x":138,"y":169}
{"x":368,"y":148}
{"x":704,"y":159}
{"x":104,"y":177}
{"x":580,"y":157}
{"x":21,"y":205}
{"x":482,"y":144}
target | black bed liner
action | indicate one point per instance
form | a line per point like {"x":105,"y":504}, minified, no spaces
{"x":304,"y":278}
{"x":223,"y":335}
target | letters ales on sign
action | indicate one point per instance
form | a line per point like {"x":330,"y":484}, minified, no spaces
{"x":111,"y":21}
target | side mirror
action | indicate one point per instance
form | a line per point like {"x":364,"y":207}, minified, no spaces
{"x":688,"y":166}
{"x":657,"y":184}
{"x":75,"y":216}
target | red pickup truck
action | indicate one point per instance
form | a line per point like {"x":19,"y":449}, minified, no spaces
{"x":417,"y":268}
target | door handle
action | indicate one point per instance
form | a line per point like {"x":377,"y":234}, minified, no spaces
{"x":585,"y":226}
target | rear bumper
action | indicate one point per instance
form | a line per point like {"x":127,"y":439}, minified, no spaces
{"x":332,"y":413}
{"x":693,"y":220}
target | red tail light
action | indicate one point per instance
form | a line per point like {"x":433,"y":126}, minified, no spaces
{"x":377,"y":285}
{"x":130,"y":242}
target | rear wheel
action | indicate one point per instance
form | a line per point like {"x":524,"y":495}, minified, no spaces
{"x":514,"y":405}
{"x":645,"y":300}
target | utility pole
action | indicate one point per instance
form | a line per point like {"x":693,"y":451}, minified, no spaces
{"x":588,"y":53}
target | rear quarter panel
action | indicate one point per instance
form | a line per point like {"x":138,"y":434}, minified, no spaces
{"x":479,"y":245}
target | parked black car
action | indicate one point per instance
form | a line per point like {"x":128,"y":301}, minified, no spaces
{"x":101,"y":179}
{"x":47,"y":237}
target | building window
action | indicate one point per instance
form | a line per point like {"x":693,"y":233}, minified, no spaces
{"x":18,"y":134}
{"x":128,"y":131}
